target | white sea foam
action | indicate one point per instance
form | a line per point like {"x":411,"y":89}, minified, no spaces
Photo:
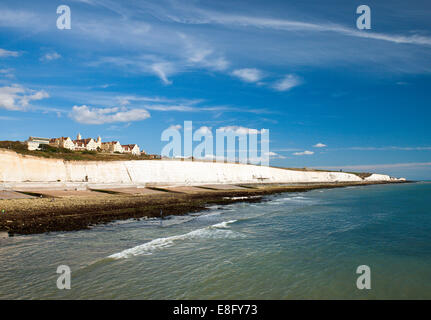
{"x":242,"y":198}
{"x":216,"y":231}
{"x":213,"y":214}
{"x":293,"y":199}
{"x":223,"y":224}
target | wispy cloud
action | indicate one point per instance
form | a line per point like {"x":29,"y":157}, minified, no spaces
{"x":182,"y":105}
{"x":388,"y":148}
{"x":181,"y":53}
{"x":303,"y":153}
{"x":214,"y":17}
{"x":204,"y":130}
{"x":274,"y":155}
{"x":6,"y":53}
{"x":191,"y":13}
{"x":162,"y":70}
{"x":175,"y":127}
{"x":8,"y":118}
{"x":86,"y":115}
{"x":248,"y":74}
{"x":18,"y":98}
{"x":201,"y":54}
{"x":288,"y":82}
{"x":118,"y":127}
{"x":7,"y":73}
{"x":239,"y":130}
{"x":410,"y":165}
{"x":50,"y":56}
{"x":320,"y":145}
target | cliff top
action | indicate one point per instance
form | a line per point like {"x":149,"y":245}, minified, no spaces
{"x":66,"y":154}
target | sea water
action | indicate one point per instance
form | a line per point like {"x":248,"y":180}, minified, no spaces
{"x":289,"y":246}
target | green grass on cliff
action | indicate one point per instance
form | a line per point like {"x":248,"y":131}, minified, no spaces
{"x":66,"y":154}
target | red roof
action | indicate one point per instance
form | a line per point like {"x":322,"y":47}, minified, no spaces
{"x":82,"y":142}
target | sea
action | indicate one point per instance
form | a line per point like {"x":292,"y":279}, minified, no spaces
{"x":305,"y":245}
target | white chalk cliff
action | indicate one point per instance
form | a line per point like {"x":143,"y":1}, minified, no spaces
{"x":15,"y":168}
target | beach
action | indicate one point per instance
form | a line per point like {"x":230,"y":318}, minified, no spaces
{"x":46,"y":210}
{"x":39,"y":195}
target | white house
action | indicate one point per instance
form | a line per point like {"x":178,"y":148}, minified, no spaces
{"x":33,"y":143}
{"x":113,"y":146}
{"x":99,"y":142}
{"x":62,"y":142}
{"x":85,"y":144}
{"x":131,"y":148}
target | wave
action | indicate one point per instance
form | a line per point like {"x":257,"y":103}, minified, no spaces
{"x":214,"y":214}
{"x":242,"y":198}
{"x":223,"y":224}
{"x":216,"y":231}
{"x":298,"y":199}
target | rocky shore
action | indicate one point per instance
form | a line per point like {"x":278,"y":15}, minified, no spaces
{"x":47,"y":211}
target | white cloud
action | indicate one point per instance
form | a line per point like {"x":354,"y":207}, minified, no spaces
{"x":208,"y":17}
{"x":248,"y":74}
{"x":142,"y":64}
{"x":163,"y":104}
{"x":50,"y":56}
{"x":118,"y":127}
{"x":180,"y":108}
{"x":87,"y":115}
{"x":320,"y":145}
{"x":198,"y":54}
{"x":287,"y":83}
{"x":239,"y":130}
{"x":389,"y":148}
{"x":410,"y":165}
{"x":8,"y":73}
{"x":162,"y":70}
{"x":304,"y":153}
{"x":204,"y":57}
{"x":275,"y":155}
{"x":16,"y":97}
{"x":175,"y":127}
{"x":6,"y":53}
{"x":204,"y":130}
{"x":170,"y":55}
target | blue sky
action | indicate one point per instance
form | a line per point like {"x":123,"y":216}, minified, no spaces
{"x":331,"y":95}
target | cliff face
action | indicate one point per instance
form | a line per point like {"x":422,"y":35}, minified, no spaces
{"x":18,"y":168}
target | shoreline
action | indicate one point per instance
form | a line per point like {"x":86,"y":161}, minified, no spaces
{"x":53,"y":213}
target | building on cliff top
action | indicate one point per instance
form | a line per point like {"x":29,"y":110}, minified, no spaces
{"x":87,"y":144}
{"x":62,"y":142}
{"x":33,"y":143}
{"x":131,"y":148}
{"x":113,"y":146}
